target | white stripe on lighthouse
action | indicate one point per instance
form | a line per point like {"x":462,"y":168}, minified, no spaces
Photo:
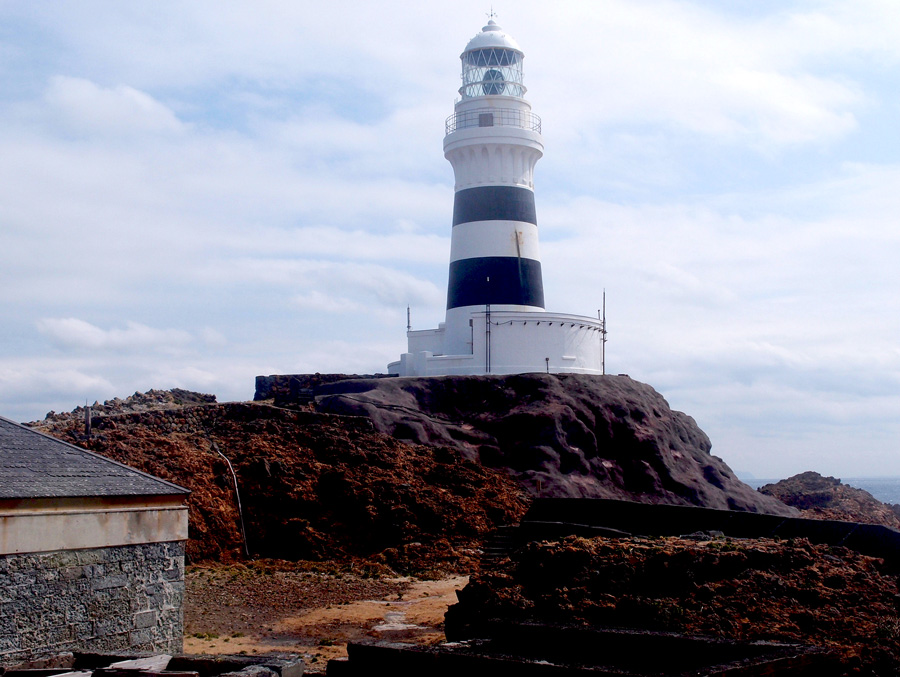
{"x":477,"y":239}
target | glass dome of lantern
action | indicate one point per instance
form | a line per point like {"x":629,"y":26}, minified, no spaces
{"x":492,"y":65}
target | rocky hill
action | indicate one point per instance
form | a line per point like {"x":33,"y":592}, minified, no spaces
{"x":819,"y":497}
{"x":312,"y":486}
{"x":559,"y":435}
{"x":408,"y":472}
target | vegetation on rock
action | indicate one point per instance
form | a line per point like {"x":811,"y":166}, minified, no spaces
{"x":744,"y":589}
{"x":312,"y":486}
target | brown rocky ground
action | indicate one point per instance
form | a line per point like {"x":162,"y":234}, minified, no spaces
{"x":308,"y":609}
{"x":757,"y":589}
{"x":827,"y":498}
{"x":312,"y":486}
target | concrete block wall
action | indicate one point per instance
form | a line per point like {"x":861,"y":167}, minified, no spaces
{"x":102,"y":599}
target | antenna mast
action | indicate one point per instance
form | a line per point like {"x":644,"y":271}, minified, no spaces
{"x":408,"y":323}
{"x":602,"y":314}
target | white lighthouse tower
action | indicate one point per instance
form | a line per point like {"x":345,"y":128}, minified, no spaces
{"x":496,"y":321}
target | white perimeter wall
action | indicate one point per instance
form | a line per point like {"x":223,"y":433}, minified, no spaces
{"x":520,"y":342}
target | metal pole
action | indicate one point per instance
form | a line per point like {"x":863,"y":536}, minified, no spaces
{"x":487,"y":338}
{"x":603,"y":337}
{"x":237,"y":493}
{"x":487,"y":332}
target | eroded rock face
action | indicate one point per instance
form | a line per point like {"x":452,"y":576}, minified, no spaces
{"x":821,"y":497}
{"x":560,"y":435}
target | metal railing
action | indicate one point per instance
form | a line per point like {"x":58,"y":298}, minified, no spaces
{"x":493,"y":117}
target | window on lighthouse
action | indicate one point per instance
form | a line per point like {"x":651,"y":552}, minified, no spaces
{"x":492,"y":71}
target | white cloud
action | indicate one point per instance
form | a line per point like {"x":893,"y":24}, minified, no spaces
{"x":316,"y":300}
{"x":84,"y":106}
{"x":781,"y":109}
{"x":213,"y":338}
{"x":29,"y":381}
{"x":747,"y":80}
{"x":72,"y":333}
{"x":31,"y":388}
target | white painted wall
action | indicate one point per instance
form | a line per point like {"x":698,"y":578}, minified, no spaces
{"x":459,"y":334}
{"x":493,"y":156}
{"x":431,"y":340}
{"x":520,"y":342}
{"x":71,"y":524}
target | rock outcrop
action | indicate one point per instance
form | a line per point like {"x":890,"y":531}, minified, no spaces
{"x":312,"y":486}
{"x":565,"y":435}
{"x":284,"y":387}
{"x":744,"y":589}
{"x":828,"y":498}
{"x":152,"y":400}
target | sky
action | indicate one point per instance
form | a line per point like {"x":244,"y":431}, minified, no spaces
{"x":194,"y":194}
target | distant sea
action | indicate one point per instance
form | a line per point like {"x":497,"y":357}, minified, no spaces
{"x":885,"y":489}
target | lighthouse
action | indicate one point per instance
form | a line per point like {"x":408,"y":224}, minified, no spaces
{"x":493,"y":141}
{"x":496,"y":321}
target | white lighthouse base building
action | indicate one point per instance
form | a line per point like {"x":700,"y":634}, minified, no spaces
{"x":509,"y":342}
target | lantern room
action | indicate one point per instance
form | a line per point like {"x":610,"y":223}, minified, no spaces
{"x":492,"y":65}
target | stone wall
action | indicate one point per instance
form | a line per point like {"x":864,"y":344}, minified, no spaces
{"x":102,"y":599}
{"x":292,"y":385}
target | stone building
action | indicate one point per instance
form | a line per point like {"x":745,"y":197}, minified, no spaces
{"x":91,"y":552}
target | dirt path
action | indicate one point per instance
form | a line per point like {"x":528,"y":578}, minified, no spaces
{"x":237,"y":610}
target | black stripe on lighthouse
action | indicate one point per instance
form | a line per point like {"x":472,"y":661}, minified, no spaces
{"x":499,"y":280}
{"x":494,"y":203}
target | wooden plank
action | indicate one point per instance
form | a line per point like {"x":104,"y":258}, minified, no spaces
{"x":157,"y":663}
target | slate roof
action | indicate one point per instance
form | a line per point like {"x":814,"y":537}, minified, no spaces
{"x":35,"y":465}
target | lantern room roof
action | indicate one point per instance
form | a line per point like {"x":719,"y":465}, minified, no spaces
{"x":492,"y":35}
